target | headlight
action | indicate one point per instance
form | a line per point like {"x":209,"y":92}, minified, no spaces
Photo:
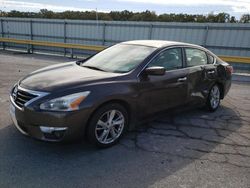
{"x":65,"y":103}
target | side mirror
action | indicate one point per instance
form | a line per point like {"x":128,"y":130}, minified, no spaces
{"x":156,"y":71}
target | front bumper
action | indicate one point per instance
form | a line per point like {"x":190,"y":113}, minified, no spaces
{"x":49,"y":126}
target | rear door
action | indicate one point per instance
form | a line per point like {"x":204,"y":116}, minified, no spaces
{"x":210,"y":69}
{"x":202,"y":73}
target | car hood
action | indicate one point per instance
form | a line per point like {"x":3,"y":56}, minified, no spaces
{"x":63,"y":76}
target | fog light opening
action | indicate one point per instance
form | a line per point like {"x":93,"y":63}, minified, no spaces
{"x":58,"y":134}
{"x":54,"y":133}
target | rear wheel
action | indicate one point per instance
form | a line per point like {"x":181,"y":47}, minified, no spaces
{"x":213,"y":100}
{"x":107,"y":125}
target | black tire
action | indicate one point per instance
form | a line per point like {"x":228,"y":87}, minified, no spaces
{"x":92,"y":133}
{"x":213,"y":106}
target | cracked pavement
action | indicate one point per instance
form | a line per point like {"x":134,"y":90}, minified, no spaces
{"x":189,"y":148}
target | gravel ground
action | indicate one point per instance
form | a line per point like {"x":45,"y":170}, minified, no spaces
{"x":193,"y":148}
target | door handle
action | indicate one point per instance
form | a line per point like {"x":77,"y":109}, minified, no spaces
{"x":211,"y":72}
{"x":182,"y":79}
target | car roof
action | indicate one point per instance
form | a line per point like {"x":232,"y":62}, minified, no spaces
{"x":159,"y":43}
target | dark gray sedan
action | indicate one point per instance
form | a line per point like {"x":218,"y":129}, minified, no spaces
{"x":103,"y":96}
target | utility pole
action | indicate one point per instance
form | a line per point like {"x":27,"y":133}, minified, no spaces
{"x":96,"y":16}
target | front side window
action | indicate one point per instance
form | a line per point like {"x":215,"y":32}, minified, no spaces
{"x":119,"y":58}
{"x":169,"y":59}
{"x":195,"y":57}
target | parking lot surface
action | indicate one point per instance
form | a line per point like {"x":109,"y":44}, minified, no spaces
{"x":193,"y":148}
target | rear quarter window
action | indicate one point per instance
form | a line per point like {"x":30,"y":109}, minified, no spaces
{"x":210,"y":59}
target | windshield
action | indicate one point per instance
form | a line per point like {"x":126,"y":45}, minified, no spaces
{"x":119,"y":58}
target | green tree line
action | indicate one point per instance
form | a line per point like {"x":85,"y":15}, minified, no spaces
{"x":129,"y":16}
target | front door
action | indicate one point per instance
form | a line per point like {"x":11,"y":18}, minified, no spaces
{"x":158,"y":93}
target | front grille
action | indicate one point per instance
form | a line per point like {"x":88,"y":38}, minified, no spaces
{"x":21,"y":97}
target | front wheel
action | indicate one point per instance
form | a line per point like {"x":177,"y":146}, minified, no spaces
{"x":213,"y":100}
{"x":107,"y":125}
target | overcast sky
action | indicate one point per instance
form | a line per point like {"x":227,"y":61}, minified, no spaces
{"x":233,"y":7}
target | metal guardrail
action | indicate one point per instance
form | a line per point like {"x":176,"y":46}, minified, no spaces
{"x":221,"y":38}
{"x":233,"y":59}
{"x":236,"y":59}
{"x":53,"y":44}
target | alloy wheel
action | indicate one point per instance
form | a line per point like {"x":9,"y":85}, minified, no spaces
{"x":215,"y":97}
{"x":109,"y":126}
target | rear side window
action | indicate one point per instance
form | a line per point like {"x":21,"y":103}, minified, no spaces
{"x":170,"y":59}
{"x":210,"y":59}
{"x":195,"y":57}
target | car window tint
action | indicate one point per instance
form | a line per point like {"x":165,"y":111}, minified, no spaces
{"x":195,"y":57}
{"x":169,"y":59}
{"x":210,"y":59}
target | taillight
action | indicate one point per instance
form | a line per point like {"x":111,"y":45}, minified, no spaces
{"x":229,"y":69}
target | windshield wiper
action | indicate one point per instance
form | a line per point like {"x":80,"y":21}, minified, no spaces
{"x":94,"y":68}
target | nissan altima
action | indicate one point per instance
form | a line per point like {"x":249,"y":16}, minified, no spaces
{"x":101,"y":97}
